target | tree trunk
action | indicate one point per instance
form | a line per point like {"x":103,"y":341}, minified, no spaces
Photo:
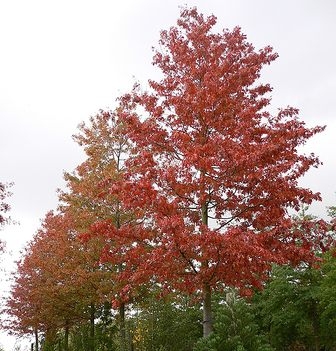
{"x":207,"y":311}
{"x":122,"y":327}
{"x":316,"y":324}
{"x":66,"y":338}
{"x":36,"y":340}
{"x":92,"y":327}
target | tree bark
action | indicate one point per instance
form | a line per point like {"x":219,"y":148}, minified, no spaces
{"x":122,"y":327}
{"x":315,"y":322}
{"x":66,"y":338}
{"x":207,"y":311}
{"x":92,"y":327}
{"x":36,"y":340}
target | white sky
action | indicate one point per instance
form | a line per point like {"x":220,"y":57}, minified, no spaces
{"x":61,"y":61}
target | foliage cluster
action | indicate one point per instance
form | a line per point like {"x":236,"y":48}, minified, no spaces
{"x":4,"y":206}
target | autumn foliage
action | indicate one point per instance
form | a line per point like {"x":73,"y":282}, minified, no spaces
{"x":212,"y":172}
{"x":188,"y":186}
{"x":87,"y":195}
{"x":56,"y":282}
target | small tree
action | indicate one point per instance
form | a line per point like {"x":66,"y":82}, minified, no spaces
{"x":97,"y":212}
{"x":290,"y":307}
{"x":55,"y":284}
{"x":236,"y":326}
{"x":167,"y":324}
{"x":327,"y":299}
{"x":4,"y":206}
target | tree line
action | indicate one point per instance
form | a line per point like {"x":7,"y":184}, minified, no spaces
{"x":177,"y":231}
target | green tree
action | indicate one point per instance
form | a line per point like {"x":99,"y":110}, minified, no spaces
{"x":235,"y":327}
{"x":290,"y":308}
{"x":168,"y":324}
{"x":327,"y":298}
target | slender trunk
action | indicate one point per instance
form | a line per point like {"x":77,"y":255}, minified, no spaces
{"x":66,"y":338}
{"x":207,"y":311}
{"x":122,"y":327}
{"x":36,"y":340}
{"x":92,"y":327}
{"x":315,"y":322}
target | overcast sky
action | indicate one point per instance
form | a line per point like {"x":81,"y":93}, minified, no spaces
{"x":61,"y":61}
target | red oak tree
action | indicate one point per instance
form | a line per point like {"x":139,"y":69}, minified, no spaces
{"x":56,"y":284}
{"x":213,"y":173}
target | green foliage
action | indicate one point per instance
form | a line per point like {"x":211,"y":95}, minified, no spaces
{"x":235,"y":328}
{"x":295,"y":311}
{"x":167,"y":325}
{"x":290,"y":309}
{"x":106,"y":330}
{"x":327,"y":298}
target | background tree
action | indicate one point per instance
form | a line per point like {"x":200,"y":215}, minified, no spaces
{"x":168,"y":324}
{"x":4,"y":206}
{"x":88,"y":196}
{"x":212,"y":173}
{"x":23,"y":307}
{"x":313,"y":232}
{"x":327,"y":299}
{"x":236,"y":326}
{"x":291,"y":309}
{"x":56,"y":286}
